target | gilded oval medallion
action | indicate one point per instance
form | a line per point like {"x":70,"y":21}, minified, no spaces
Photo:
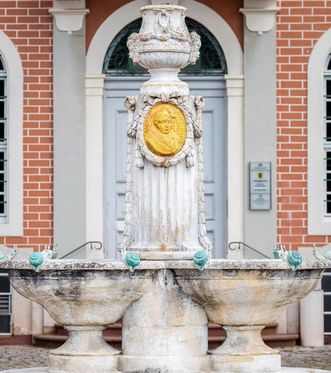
{"x":165,"y":130}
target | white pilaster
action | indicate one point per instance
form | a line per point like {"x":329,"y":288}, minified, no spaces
{"x":312,"y":319}
{"x":94,"y":85}
{"x":235,"y":96}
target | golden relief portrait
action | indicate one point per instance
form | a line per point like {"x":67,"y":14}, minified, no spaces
{"x":165,"y":130}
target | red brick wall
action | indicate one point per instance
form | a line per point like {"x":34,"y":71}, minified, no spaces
{"x":29,"y":25}
{"x":300,"y":24}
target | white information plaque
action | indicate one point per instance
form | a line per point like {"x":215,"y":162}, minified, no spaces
{"x":260,"y":185}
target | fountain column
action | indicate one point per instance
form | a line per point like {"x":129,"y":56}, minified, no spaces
{"x":165,"y":213}
{"x":165,"y":331}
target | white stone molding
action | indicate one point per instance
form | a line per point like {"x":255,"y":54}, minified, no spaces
{"x":260,"y":15}
{"x":318,"y":222}
{"x":13,"y":65}
{"x":94,"y":109}
{"x":69,"y":15}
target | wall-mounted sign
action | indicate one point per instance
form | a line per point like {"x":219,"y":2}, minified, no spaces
{"x":260,"y":185}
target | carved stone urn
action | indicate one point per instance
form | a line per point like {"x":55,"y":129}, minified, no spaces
{"x":164,"y":46}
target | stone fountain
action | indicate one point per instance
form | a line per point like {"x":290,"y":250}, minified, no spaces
{"x":166,"y":286}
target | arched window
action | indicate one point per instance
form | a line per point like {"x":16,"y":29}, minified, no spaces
{"x":211,"y":60}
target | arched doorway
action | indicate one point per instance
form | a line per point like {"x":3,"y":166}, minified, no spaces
{"x":206,"y":78}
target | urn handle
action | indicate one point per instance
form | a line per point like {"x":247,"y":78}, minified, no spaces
{"x":195,"y":43}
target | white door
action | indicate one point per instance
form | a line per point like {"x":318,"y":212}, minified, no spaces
{"x":215,"y":134}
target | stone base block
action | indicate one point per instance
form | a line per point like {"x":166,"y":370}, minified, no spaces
{"x":283,"y":370}
{"x":245,"y":363}
{"x":163,"y":364}
{"x":82,"y":364}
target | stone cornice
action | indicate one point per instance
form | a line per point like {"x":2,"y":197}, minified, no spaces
{"x":69,"y":14}
{"x":260,"y":15}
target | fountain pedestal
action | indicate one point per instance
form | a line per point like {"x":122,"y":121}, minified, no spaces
{"x":84,"y":351}
{"x":244,"y":351}
{"x":165,"y":331}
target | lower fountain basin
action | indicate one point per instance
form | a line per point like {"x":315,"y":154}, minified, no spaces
{"x":243,"y":296}
{"x":85,"y":297}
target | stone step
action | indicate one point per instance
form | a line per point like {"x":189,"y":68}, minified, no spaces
{"x":15,"y":340}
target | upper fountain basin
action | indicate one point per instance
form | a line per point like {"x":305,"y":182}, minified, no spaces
{"x":247,"y":292}
{"x":81,"y":292}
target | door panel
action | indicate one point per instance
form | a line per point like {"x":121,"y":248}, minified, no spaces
{"x":115,"y":142}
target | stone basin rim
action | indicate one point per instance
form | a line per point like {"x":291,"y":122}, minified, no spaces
{"x":112,"y":264}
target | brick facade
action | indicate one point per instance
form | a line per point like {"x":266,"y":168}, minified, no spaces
{"x":29,"y":25}
{"x":300,"y":24}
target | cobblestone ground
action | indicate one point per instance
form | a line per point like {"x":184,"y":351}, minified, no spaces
{"x":29,"y":357}
{"x":307,"y":357}
{"x":22,"y":357}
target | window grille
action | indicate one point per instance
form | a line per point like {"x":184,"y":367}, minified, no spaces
{"x":5,"y":304}
{"x":326,"y":286}
{"x":3,"y":142}
{"x":327,"y":138}
{"x":211,"y":61}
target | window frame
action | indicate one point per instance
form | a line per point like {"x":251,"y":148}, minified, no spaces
{"x":12,"y":225}
{"x":4,"y":146}
{"x":319,"y":222}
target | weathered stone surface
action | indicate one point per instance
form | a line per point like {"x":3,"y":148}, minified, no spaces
{"x":245,"y":363}
{"x":170,"y":263}
{"x":244,"y":296}
{"x":247,"y":296}
{"x":85,"y":301}
{"x":164,"y":331}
